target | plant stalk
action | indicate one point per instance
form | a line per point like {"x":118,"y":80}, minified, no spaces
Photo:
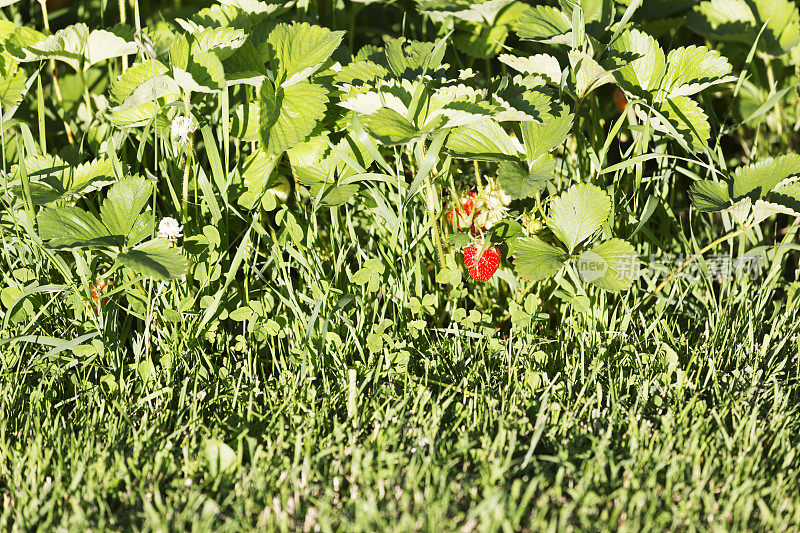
{"x":56,"y":85}
{"x":431,"y":199}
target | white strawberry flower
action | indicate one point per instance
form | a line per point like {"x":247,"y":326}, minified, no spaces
{"x":493,"y":203}
{"x":495,"y":196}
{"x":170,"y":229}
{"x":182,"y":127}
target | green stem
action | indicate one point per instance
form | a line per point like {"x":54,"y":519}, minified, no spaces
{"x":478,"y":177}
{"x":86,"y":96}
{"x":525,"y":291}
{"x":185,"y":188}
{"x":56,"y":85}
{"x":123,"y":19}
{"x":186,"y":170}
{"x":434,"y":222}
{"x":772,"y":90}
{"x":3,"y":147}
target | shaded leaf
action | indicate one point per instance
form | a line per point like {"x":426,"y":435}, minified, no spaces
{"x":518,"y":182}
{"x":124,"y":203}
{"x":485,"y":141}
{"x":288,"y":115}
{"x":155,"y":259}
{"x":711,"y":196}
{"x":71,"y":227}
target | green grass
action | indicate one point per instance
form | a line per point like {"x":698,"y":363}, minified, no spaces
{"x":684,"y":424}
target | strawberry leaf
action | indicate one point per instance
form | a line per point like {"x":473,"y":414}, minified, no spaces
{"x":578,"y":213}
{"x":155,"y":259}
{"x":288,"y":115}
{"x":535,"y":259}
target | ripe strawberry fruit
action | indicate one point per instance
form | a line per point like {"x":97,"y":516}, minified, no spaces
{"x":461,"y":217}
{"x":620,"y":102}
{"x":484,"y":268}
{"x":97,"y":291}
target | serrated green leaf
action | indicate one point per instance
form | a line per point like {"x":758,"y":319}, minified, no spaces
{"x":535,"y":259}
{"x":645,"y":63}
{"x":507,"y":229}
{"x":459,"y":240}
{"x":288,"y":115}
{"x":544,"y":65}
{"x":788,"y":195}
{"x":390,"y":97}
{"x":147,"y":91}
{"x":521,"y":98}
{"x":70,"y":227}
{"x":479,"y":12}
{"x":222,"y":41}
{"x":545,"y":24}
{"x":407,"y":58}
{"x":180,"y":52}
{"x":309,"y":153}
{"x":546,"y":136}
{"x":22,"y":37}
{"x":51,"y":178}
{"x":688,"y":120}
{"x":155,"y":259}
{"x":611,"y":265}
{"x":711,"y":196}
{"x":124,"y":203}
{"x":102,"y":45}
{"x":256,"y":173}
{"x":300,"y":50}
{"x":758,"y":179}
{"x":363,"y":72}
{"x":143,"y":227}
{"x":762,"y":210}
{"x":458,"y":105}
{"x":389,"y":127}
{"x":484,"y":141}
{"x":741,"y":210}
{"x":245,"y":66}
{"x":256,"y":9}
{"x":691,"y":69}
{"x":12,"y":88}
{"x":589,"y":75}
{"x":518,"y":182}
{"x":578,"y":213}
{"x":127,"y":82}
{"x":205,"y":74}
{"x":65,"y":45}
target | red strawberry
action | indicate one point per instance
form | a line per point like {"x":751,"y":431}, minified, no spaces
{"x":462,"y":217}
{"x":484,"y":268}
{"x":620,"y":102}
{"x":97,"y":290}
